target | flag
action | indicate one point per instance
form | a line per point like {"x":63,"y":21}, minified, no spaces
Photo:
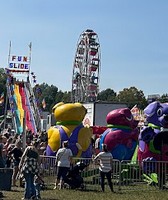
{"x":135,"y":112}
{"x":2,"y":99}
{"x":43,"y":104}
{"x":30,"y":46}
{"x":138,"y":115}
{"x":38,"y":91}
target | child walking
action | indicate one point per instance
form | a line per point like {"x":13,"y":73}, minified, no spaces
{"x":38,"y":182}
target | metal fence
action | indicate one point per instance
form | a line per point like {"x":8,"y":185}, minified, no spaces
{"x":148,"y":175}
{"x":126,"y":175}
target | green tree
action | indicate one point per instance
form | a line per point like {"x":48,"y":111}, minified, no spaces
{"x":48,"y":93}
{"x":3,"y":89}
{"x":132,"y":96}
{"x":63,"y":96}
{"x":107,"y":95}
{"x":52,"y":95}
{"x":163,"y":98}
{"x":66,"y":97}
{"x":3,"y":78}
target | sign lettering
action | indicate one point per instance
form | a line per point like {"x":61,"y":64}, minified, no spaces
{"x":20,"y":63}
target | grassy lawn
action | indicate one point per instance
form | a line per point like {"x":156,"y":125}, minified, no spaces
{"x":67,"y":194}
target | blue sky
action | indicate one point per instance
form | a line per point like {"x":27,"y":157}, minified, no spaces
{"x":133,"y":36}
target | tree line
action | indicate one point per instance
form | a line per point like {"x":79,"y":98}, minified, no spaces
{"x":52,"y":95}
{"x":130,"y":96}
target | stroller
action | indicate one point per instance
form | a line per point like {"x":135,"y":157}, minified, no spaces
{"x":74,"y":178}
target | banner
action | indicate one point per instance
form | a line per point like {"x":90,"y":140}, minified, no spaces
{"x":19,"y":63}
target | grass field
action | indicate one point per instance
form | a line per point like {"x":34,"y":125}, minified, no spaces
{"x":66,"y":194}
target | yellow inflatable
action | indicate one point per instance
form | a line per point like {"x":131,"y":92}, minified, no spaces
{"x":69,"y":127}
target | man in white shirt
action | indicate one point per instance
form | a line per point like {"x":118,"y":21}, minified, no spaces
{"x":63,"y":160}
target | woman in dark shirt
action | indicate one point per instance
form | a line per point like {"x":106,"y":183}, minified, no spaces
{"x":29,"y":166}
{"x":17,"y":154}
{"x":2,"y":162}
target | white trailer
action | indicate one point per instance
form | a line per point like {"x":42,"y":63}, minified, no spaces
{"x":97,"y":112}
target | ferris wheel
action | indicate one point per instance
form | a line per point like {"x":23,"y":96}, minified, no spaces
{"x":86,"y":68}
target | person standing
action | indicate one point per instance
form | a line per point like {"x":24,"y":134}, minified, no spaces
{"x":38,"y":182}
{"x":29,"y":166}
{"x":2,"y":162}
{"x":63,"y":161}
{"x":8,"y":147}
{"x":17,"y":154}
{"x":105,"y":160}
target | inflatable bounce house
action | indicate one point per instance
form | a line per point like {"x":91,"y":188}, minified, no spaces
{"x":69,"y":127}
{"x":153,"y":138}
{"x":121,"y":136}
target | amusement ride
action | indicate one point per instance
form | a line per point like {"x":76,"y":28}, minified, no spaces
{"x":86,"y":68}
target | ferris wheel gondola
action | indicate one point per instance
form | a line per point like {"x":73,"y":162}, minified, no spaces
{"x":86,"y":68}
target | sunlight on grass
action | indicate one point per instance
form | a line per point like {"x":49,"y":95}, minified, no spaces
{"x":67,"y":194}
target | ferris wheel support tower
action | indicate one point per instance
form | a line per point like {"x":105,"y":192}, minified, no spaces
{"x":86,"y":68}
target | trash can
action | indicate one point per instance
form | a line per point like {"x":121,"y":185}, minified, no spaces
{"x":6,"y":178}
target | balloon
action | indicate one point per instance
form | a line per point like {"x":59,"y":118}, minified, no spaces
{"x":122,"y":135}
{"x":69,"y":127}
{"x":153,"y":138}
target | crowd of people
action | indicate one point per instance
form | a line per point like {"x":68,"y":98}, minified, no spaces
{"x":25,"y":162}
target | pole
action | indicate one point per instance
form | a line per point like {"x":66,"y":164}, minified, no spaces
{"x":24,"y":130}
{"x":30,"y":52}
{"x":10,"y":45}
{"x":6,"y":101}
{"x":30,"y":49}
{"x":28,"y":76}
{"x":5,"y":111}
